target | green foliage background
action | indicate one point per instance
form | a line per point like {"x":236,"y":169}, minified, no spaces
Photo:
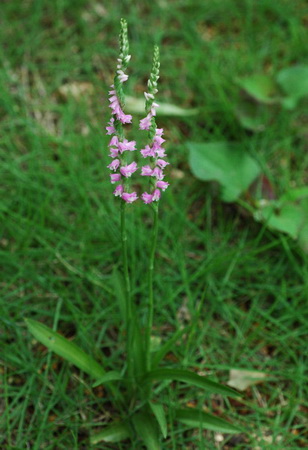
{"x":242,"y":288}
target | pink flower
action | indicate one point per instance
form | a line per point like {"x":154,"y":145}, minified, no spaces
{"x":158,"y":140}
{"x":110,"y":129}
{"x":147,"y":96}
{"x":162,"y":185}
{"x":158,"y":173}
{"x":147,"y":151}
{"x":162,"y":163}
{"x":122,"y":76}
{"x":114,"y":141}
{"x":114,"y":152}
{"x":118,"y":191}
{"x":127,"y":145}
{"x":114,"y":177}
{"x":145,"y":123}
{"x":128,"y":170}
{"x":114,"y":165}
{"x":156,"y":195}
{"x":129,"y":198}
{"x":159,"y":131}
{"x":160,"y":152}
{"x":146,"y":171}
{"x":147,"y":198}
{"x":153,"y":108}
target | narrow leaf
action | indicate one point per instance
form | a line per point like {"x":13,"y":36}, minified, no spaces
{"x":194,"y":418}
{"x":159,"y":413}
{"x":190,"y":378}
{"x":64,"y":348}
{"x":113,"y":433}
{"x":109,"y":376}
{"x":146,"y":427}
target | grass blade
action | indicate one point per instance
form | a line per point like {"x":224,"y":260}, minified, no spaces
{"x":64,"y":348}
{"x":158,"y":356}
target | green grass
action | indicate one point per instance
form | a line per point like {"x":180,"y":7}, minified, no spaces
{"x":242,"y":288}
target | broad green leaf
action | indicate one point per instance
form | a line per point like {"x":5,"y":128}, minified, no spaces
{"x":146,"y":428}
{"x":194,"y":418}
{"x":190,"y":378}
{"x":294,"y":82}
{"x":260,"y":87}
{"x":226,"y":163}
{"x":113,"y":433}
{"x":289,"y":218}
{"x":159,"y":413}
{"x":65,"y":348}
{"x":167,"y":346}
{"x":136,"y":105}
{"x":109,"y":376}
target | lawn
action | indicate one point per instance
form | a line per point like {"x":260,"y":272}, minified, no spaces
{"x":238,"y":285}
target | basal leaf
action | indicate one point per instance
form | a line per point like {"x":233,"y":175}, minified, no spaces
{"x":190,"y":378}
{"x":194,"y":418}
{"x":146,"y":427}
{"x":136,"y":105}
{"x":109,"y":376}
{"x":226,"y":163}
{"x":112,"y":433}
{"x":65,"y":348}
{"x":159,"y":413}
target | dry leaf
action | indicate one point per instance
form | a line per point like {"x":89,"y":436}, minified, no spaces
{"x":241,"y":379}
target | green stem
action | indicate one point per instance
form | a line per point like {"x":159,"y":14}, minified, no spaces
{"x":128,"y":300}
{"x":150,"y":279}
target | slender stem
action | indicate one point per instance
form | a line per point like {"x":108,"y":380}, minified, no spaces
{"x":150,"y":280}
{"x":128,"y":300}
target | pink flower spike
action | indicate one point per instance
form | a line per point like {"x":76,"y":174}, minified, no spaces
{"x":145,"y":123}
{"x":114,"y":177}
{"x":146,"y":171}
{"x":114,"y":165}
{"x":118,"y":191}
{"x":156,"y":195}
{"x":162,"y":163}
{"x":147,"y":198}
{"x":159,"y":131}
{"x":158,"y":173}
{"x":147,"y":151}
{"x":128,"y":170}
{"x":162,"y":185}
{"x":127,"y":145}
{"x":129,"y":198}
